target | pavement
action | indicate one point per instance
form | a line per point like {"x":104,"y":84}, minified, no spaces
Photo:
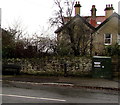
{"x":91,"y":83}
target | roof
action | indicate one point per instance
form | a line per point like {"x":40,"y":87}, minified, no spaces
{"x":108,"y":19}
{"x":97,"y":19}
{"x":88,"y":18}
{"x":77,"y":16}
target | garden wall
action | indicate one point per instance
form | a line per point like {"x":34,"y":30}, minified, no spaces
{"x":78,"y":66}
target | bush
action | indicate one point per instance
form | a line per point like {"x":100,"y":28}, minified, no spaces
{"x":113,"y":50}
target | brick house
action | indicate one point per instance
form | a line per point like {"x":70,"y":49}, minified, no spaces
{"x":104,"y":29}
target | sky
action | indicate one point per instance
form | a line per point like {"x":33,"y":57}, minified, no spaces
{"x":34,"y":14}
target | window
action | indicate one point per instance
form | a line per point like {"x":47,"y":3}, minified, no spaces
{"x":99,"y":23}
{"x":108,"y":39}
{"x":118,"y":39}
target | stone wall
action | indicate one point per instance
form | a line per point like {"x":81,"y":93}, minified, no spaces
{"x":55,"y":65}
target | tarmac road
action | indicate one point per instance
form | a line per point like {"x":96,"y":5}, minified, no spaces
{"x":52,"y":94}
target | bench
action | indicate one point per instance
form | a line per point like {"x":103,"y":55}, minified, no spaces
{"x":11,"y":69}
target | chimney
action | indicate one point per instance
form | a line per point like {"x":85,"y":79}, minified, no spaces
{"x":93,"y":11}
{"x":108,"y":10}
{"x":93,"y":16}
{"x":77,"y":8}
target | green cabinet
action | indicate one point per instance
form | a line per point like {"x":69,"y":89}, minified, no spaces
{"x":101,"y":67}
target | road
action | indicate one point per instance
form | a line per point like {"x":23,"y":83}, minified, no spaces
{"x":54,"y":94}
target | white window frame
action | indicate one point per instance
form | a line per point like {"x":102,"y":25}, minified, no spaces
{"x":118,"y":39}
{"x":108,"y":38}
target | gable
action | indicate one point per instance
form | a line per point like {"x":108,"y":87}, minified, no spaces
{"x":76,"y":20}
{"x":111,"y":25}
{"x":111,"y":22}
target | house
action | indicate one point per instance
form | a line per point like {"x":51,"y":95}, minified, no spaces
{"x":101,"y":30}
{"x":107,"y":33}
{"x":74,"y":37}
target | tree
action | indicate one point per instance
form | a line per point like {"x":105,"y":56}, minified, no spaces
{"x":8,"y":44}
{"x":17,"y":29}
{"x":79,"y":35}
{"x":12,"y":41}
{"x":64,"y":9}
{"x":43,"y":44}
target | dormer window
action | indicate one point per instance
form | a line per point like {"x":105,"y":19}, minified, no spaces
{"x":107,"y":39}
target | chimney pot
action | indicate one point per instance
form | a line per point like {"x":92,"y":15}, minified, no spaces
{"x":93,"y":6}
{"x":106,"y":6}
{"x":108,"y":10}
{"x":111,"y":5}
{"x":77,"y":7}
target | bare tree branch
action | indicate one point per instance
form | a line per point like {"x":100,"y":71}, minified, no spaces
{"x":64,"y":8}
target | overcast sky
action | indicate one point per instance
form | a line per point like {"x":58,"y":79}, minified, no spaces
{"x":34,"y":14}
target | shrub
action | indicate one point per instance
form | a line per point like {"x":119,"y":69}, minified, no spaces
{"x":113,"y":50}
